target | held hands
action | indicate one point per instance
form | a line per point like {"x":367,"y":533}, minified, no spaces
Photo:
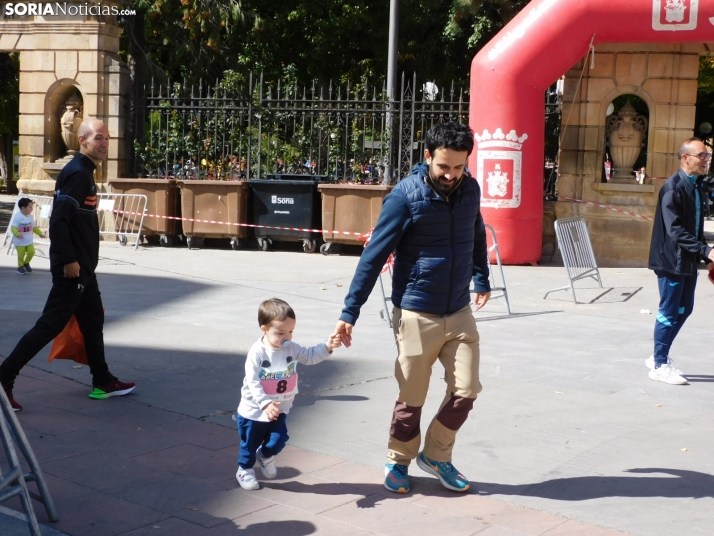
{"x":481,"y":299}
{"x":272,"y":410}
{"x":343,"y":331}
{"x":71,"y":270}
{"x":333,"y":341}
{"x":710,"y":268}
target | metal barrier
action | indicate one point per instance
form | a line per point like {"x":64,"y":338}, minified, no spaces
{"x":14,"y":482}
{"x":41,"y":211}
{"x":122,"y":215}
{"x":492,"y":276}
{"x":577,"y":252}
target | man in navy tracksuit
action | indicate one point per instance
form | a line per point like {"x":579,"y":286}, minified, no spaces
{"x":432,"y":221}
{"x":74,"y":255}
{"x":676,"y":249}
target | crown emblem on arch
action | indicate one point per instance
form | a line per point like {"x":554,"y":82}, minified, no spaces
{"x":499,"y":139}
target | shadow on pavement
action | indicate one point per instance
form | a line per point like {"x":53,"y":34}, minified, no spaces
{"x":687,"y":484}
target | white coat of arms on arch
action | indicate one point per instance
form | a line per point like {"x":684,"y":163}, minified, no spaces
{"x":674,"y":15}
{"x":498,"y":168}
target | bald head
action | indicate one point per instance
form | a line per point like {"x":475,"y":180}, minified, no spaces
{"x":694,"y":157}
{"x":93,"y":138}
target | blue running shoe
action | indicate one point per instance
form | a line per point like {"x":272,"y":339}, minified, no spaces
{"x":396,"y":478}
{"x":447,"y":474}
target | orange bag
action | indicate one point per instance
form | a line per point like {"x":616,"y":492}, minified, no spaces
{"x":69,"y":344}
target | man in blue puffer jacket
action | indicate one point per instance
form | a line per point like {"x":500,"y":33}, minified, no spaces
{"x":432,"y":221}
{"x":677,"y":247}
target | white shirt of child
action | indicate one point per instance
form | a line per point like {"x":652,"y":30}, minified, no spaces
{"x":271,"y":375}
{"x":25,"y":225}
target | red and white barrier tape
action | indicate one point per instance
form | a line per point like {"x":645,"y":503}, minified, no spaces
{"x":389,"y":265}
{"x":608,"y":207}
{"x":324,"y":231}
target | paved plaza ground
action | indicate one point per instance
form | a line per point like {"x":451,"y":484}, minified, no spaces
{"x":569,"y":436}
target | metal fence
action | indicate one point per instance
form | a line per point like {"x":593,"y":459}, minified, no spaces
{"x":215,"y":133}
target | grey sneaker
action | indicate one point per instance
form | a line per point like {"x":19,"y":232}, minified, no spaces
{"x":21,"y":270}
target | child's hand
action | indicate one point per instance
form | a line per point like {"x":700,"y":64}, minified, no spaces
{"x":333,"y":341}
{"x":20,"y":235}
{"x":272,"y":411}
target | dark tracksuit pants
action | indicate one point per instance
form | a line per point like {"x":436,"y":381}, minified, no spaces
{"x":69,"y":296}
{"x":271,"y":437}
{"x":676,"y":302}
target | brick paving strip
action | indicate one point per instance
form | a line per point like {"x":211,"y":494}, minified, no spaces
{"x":121,"y":467}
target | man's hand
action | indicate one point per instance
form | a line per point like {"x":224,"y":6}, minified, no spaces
{"x":710,"y":267}
{"x":272,"y":411}
{"x":71,"y":270}
{"x":344,"y":331}
{"x":481,"y":299}
{"x":711,"y":257}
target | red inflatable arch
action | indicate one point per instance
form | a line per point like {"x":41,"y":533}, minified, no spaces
{"x":510,"y":75}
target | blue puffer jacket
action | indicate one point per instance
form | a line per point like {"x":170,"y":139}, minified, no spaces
{"x":440,"y":246}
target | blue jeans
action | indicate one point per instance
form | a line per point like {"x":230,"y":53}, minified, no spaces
{"x":271,"y":436}
{"x":676,"y":302}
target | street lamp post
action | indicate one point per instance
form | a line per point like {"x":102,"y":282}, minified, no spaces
{"x":391,"y":83}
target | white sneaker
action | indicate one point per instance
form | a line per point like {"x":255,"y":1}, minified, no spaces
{"x":267,"y":465}
{"x":246,"y":479}
{"x":650,"y":363}
{"x":667,"y":374}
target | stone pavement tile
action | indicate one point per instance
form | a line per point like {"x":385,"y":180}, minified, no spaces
{"x":305,"y":461}
{"x":170,"y":527}
{"x":48,"y":447}
{"x":202,"y":434}
{"x":193,"y":462}
{"x":285,"y":521}
{"x":192,"y":499}
{"x":58,"y":396}
{"x":371,"y":480}
{"x":576,"y":528}
{"x":54,"y":421}
{"x":313,"y":495}
{"x":493,"y":512}
{"x":104,"y":471}
{"x":394,"y":517}
{"x":38,"y":374}
{"x":99,"y":514}
{"x":123,"y":440}
{"x":125,"y":411}
{"x":498,"y":531}
{"x":28,"y":384}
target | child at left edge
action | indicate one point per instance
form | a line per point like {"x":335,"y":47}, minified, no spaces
{"x":23,"y":226}
{"x":269,"y":388}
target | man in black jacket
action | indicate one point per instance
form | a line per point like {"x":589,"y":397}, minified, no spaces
{"x":676,"y":249}
{"x":74,"y":255}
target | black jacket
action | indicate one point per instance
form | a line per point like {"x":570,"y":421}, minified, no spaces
{"x":677,"y":241}
{"x":74,"y":227}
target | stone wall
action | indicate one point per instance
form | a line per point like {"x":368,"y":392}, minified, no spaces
{"x":58,"y":57}
{"x":665,"y":77}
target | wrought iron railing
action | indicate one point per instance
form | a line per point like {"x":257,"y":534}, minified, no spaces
{"x":343,"y":132}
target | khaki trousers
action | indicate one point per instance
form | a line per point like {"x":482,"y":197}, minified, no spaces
{"x":423,"y":338}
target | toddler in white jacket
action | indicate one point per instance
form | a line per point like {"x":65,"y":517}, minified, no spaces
{"x":269,"y":388}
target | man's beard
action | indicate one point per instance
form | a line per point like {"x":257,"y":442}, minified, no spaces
{"x":440,"y":187}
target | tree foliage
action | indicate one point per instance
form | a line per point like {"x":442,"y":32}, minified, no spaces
{"x":337,"y":40}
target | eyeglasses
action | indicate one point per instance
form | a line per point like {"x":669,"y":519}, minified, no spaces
{"x":701,"y":156}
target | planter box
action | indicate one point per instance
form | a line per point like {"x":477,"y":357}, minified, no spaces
{"x":350,"y":207}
